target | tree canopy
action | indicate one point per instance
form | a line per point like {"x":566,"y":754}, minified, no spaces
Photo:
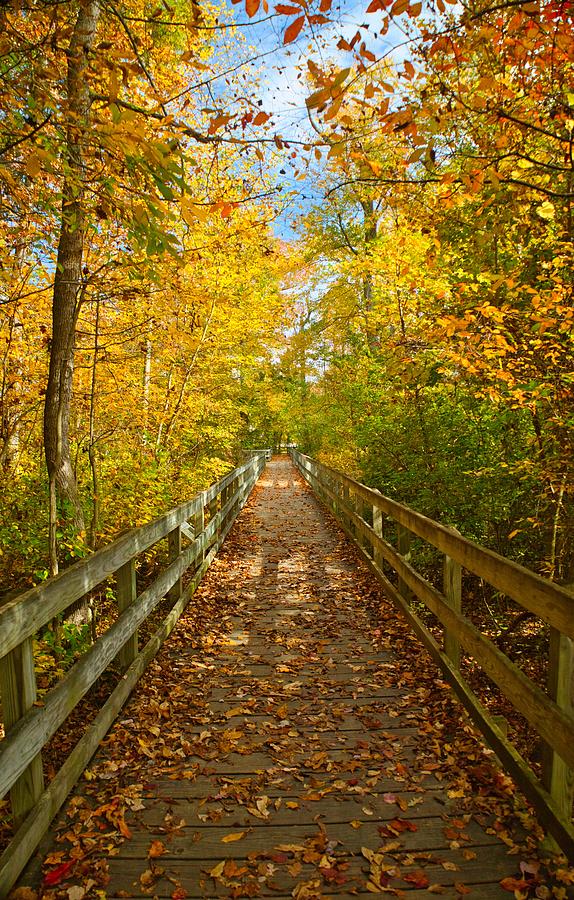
{"x":376,"y":264}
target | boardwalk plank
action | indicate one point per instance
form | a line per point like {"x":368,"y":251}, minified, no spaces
{"x":481,"y":875}
{"x":207,"y":843}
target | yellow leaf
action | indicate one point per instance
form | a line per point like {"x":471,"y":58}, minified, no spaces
{"x":234,"y":836}
{"x":217,"y":870}
{"x":545,"y":210}
{"x":33,"y":165}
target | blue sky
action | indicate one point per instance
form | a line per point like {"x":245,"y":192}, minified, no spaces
{"x":276,"y":77}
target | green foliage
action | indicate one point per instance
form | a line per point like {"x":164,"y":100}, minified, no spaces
{"x":57,"y":650}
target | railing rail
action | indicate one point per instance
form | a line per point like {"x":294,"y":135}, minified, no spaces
{"x":30,"y":725}
{"x":365,"y":513}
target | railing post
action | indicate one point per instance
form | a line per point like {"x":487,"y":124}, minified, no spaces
{"x":351,"y":502}
{"x":366,"y":542}
{"x":404,"y":548}
{"x":452,"y":589}
{"x":557,"y":777}
{"x":174,"y":550}
{"x":224,"y":499}
{"x":212,"y":508}
{"x":378,"y":529}
{"x":126,"y":592}
{"x":18,"y":691}
{"x":198,"y":523}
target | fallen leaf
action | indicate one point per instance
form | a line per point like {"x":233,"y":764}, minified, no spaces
{"x":76,"y":892}
{"x":513,"y":884}
{"x":156,"y":848}
{"x":418,"y":879}
{"x":234,"y":836}
{"x":147,"y":878}
{"x":58,"y":874}
{"x":217,"y":870}
{"x":307,"y":890}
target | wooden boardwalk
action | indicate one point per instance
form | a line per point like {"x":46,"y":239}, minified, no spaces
{"x":273,"y":750}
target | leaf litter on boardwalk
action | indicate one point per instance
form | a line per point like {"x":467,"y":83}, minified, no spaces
{"x":169,"y":733}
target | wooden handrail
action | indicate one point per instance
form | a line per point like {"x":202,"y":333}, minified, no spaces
{"x":28,"y":725}
{"x":550,"y":713}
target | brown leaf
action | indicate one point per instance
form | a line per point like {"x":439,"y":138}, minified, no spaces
{"x":513,"y":884}
{"x":147,"y":878}
{"x":291,"y":33}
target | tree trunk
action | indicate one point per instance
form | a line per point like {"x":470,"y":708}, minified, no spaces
{"x":92,"y":452}
{"x":370,"y":236}
{"x":68,"y":282}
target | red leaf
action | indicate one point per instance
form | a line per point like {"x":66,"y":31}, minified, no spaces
{"x":325,"y":5}
{"x":375,"y":6}
{"x":333,"y":875}
{"x":418,"y":879}
{"x":293,"y":30}
{"x":396,"y":826}
{"x":285,"y":10}
{"x":251,"y":7}
{"x":59,"y":873}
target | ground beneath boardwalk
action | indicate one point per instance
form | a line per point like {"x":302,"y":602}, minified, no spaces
{"x":292,"y":740}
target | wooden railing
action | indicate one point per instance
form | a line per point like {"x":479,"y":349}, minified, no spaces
{"x":201,"y":524}
{"x":366,"y":515}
